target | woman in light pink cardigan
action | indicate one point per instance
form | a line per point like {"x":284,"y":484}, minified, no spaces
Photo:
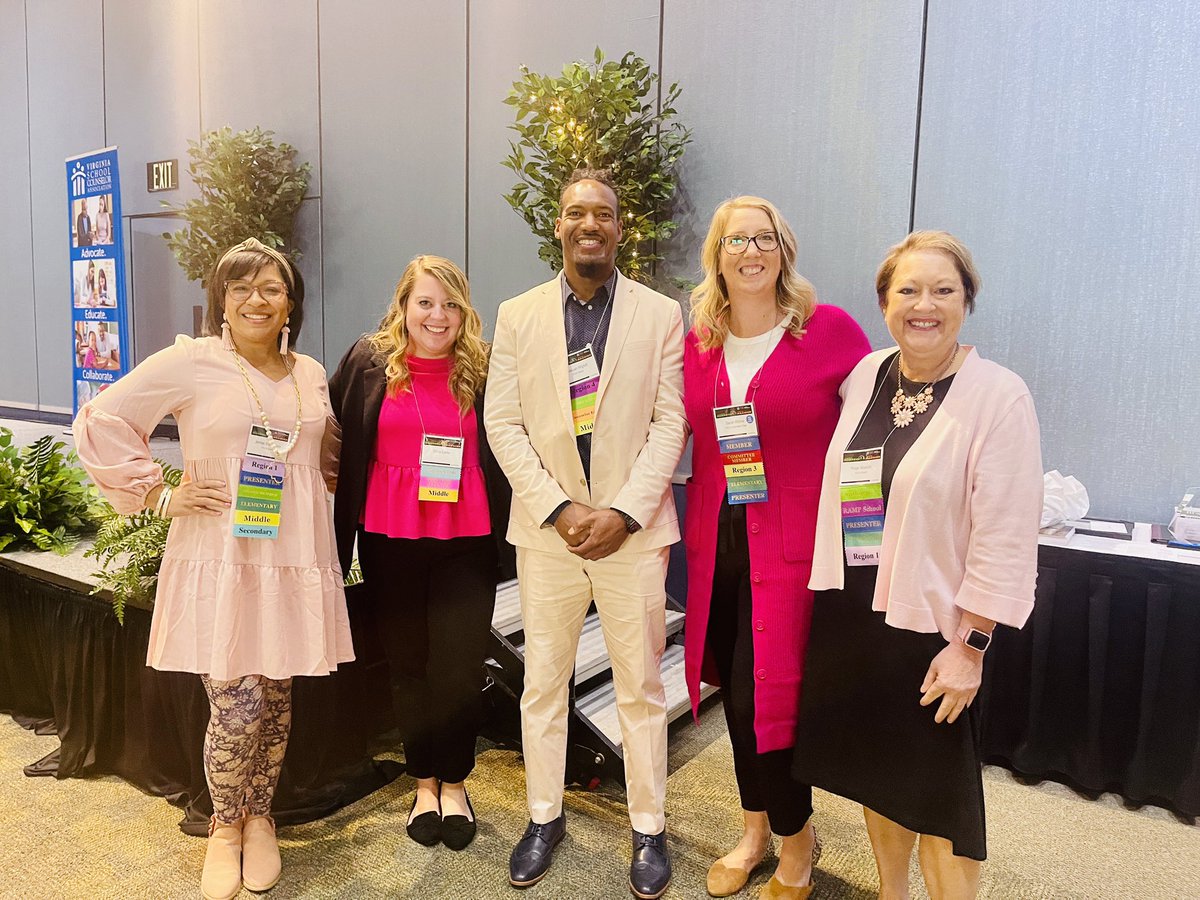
{"x":904,"y":613}
{"x":760,"y":337}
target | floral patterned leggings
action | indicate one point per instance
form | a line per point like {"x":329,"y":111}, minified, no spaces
{"x":248,"y":726}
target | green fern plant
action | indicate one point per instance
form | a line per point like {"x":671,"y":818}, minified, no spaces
{"x":130,"y":551}
{"x":45,"y":498}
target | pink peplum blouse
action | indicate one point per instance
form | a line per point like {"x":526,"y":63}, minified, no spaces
{"x":394,"y":476}
{"x":226,"y":606}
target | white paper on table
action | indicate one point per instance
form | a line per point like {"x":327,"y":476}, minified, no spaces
{"x":1102,"y":527}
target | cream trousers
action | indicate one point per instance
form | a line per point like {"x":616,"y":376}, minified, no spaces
{"x":629,"y":590}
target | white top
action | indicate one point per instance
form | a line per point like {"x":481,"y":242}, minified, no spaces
{"x":745,"y":356}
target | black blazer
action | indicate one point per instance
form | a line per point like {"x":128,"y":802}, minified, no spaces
{"x":356,"y":394}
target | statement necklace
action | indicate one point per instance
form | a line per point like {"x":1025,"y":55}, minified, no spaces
{"x":906,"y":408}
{"x":280,"y":451}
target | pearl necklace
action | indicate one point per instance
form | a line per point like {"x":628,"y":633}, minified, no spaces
{"x":905,"y":408}
{"x":280,"y":452}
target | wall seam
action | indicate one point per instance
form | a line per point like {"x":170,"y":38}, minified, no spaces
{"x":321,"y":176}
{"x":912,"y":199}
{"x":104,"y":68}
{"x":37,"y":381}
{"x":199,"y":78}
{"x":467,"y":147}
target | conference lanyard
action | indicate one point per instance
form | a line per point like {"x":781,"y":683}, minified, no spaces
{"x":441,"y":460}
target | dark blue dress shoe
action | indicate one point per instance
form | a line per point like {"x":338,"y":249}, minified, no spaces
{"x":531,"y":857}
{"x":650,"y":871}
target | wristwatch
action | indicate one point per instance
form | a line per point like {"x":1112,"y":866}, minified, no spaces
{"x":974,"y":638}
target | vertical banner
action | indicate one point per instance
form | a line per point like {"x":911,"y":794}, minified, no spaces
{"x":99,"y":312}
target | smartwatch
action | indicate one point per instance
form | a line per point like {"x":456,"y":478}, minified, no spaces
{"x":974,"y":638}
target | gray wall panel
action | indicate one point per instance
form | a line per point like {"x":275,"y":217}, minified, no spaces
{"x":814,"y":112}
{"x":308,"y":234}
{"x":258,"y":66}
{"x":1061,"y":143}
{"x":18,"y":363}
{"x":544,"y":35}
{"x":151,"y":64}
{"x":393,"y":128}
{"x":66,"y":117}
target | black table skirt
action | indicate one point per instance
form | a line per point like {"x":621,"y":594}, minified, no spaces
{"x":69,"y":667}
{"x":1101,"y":689}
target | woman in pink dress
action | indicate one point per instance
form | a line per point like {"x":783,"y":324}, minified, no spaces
{"x":250,"y":591}
{"x":759,"y":341}
{"x":430,"y":533}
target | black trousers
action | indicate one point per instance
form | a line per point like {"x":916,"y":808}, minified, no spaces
{"x":764,"y":780}
{"x":434,"y":600}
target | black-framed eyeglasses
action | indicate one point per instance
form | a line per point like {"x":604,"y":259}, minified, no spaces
{"x":736,"y":244}
{"x":241,"y":291}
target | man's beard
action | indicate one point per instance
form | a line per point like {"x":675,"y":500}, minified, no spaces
{"x":592,"y":269}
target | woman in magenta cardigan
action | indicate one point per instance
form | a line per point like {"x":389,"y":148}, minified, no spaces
{"x":758,"y":338}
{"x":421,"y":490}
{"x":926,"y":538}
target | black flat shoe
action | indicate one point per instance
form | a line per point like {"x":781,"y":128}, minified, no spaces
{"x":532,"y":856}
{"x":458,"y":831}
{"x":427,"y":827}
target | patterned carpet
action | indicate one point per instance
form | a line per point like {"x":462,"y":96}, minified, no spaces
{"x":101,"y":838}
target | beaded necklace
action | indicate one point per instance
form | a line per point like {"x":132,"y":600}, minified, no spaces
{"x":280,"y":452}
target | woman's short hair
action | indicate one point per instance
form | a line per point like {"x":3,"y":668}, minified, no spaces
{"x":246,"y":260}
{"x":941,"y":241}
{"x":710,"y":300}
{"x":468,"y":372}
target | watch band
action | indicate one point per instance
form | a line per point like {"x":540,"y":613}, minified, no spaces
{"x":974,"y":638}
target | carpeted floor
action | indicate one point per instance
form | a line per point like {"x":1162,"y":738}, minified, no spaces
{"x":101,"y":838}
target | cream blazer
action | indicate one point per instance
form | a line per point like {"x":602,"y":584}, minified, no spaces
{"x":639,"y":432}
{"x":961,"y":528}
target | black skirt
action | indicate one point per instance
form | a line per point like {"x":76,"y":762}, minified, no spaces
{"x":863,"y":734}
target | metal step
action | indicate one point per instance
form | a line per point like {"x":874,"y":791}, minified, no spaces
{"x":591,"y":657}
{"x":506,"y":618}
{"x":599,"y":706}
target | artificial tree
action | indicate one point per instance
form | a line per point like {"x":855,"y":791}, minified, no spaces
{"x":249,"y":187}
{"x":598,"y":115}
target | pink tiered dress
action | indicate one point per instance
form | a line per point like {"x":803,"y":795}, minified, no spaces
{"x":227,"y":606}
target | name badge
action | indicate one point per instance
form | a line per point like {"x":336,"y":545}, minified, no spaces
{"x":583,"y":375}
{"x":260,"y":486}
{"x":441,"y":468}
{"x":741,"y":454}
{"x":861,"y":486}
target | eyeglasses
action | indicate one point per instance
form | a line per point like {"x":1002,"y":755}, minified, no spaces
{"x":736,"y":244}
{"x":241,"y":291}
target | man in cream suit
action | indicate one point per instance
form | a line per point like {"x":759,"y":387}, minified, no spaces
{"x":584,"y":414}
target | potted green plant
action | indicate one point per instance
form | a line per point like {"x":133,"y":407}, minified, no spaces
{"x":598,"y":115}
{"x":249,"y":187}
{"x":45,"y":499}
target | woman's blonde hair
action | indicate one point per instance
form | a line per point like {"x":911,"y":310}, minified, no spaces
{"x":469,"y":368}
{"x":794,"y":295}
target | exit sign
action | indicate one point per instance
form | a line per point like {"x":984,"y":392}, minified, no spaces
{"x":162,"y":175}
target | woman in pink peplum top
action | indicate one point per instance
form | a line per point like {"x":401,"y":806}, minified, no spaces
{"x":430,"y":534}
{"x":759,"y":336}
{"x":247,"y":613}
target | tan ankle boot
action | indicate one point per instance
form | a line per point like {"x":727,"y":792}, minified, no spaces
{"x":260,"y":854}
{"x":222,"y":877}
